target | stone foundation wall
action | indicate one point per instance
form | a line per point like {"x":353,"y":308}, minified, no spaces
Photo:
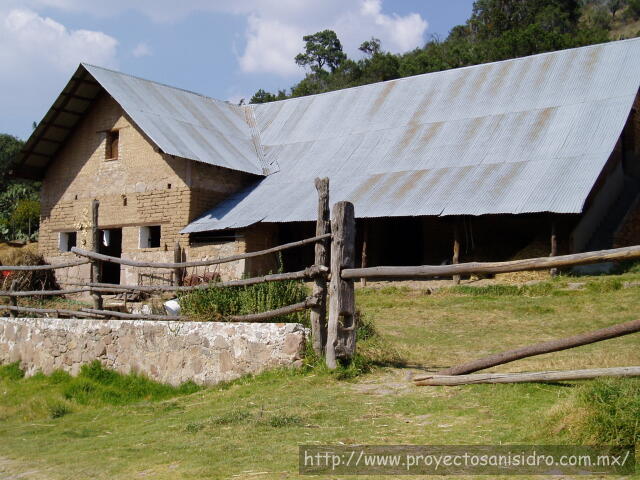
{"x":169,"y":352}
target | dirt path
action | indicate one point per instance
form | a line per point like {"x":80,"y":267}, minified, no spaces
{"x":12,"y":470}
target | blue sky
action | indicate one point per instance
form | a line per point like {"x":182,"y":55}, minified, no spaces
{"x":223,"y":49}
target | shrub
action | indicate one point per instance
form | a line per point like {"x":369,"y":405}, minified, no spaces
{"x":58,"y":409}
{"x":216,"y":303}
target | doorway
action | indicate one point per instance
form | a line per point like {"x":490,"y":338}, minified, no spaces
{"x":111,"y":244}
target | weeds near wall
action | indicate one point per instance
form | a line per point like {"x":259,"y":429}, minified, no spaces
{"x":216,"y":303}
{"x":59,"y":394}
{"x":604,"y":411}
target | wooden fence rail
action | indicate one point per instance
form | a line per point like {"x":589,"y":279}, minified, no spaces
{"x":35,"y":268}
{"x":197,"y":263}
{"x":306,"y":274}
{"x":475,"y":268}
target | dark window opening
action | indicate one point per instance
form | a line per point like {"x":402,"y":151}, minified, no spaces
{"x":67,"y":241}
{"x":113,"y":140}
{"x":150,"y":236}
{"x":209,"y":238}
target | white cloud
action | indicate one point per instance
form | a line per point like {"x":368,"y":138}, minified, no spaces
{"x":275,"y":27}
{"x":142,"y":50}
{"x":38,"y":55}
{"x":271,"y":46}
{"x":29,"y":41}
{"x":401,"y":33}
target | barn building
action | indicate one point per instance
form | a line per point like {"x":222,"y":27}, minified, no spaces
{"x":499,"y":156}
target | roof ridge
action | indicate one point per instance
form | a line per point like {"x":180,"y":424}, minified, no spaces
{"x":89,"y":65}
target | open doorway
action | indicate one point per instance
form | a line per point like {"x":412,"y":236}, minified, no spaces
{"x":111,"y":244}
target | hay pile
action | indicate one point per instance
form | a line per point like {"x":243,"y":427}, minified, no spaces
{"x":539,"y":247}
{"x":37,"y":280}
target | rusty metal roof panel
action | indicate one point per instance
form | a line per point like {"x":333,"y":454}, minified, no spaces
{"x":519,"y":136}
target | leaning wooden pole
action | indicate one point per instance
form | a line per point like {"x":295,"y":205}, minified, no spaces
{"x":319,"y":310}
{"x":95,"y":264}
{"x":545,"y":347}
{"x":550,"y":376}
{"x":341,"y":334}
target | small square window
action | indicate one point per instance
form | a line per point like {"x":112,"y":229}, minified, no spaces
{"x":112,"y":145}
{"x":67,"y":240}
{"x":150,"y":236}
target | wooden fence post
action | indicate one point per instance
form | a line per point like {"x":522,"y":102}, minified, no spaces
{"x":456,"y":249}
{"x":177,"y":258}
{"x":319,"y":311}
{"x":341,"y":334}
{"x":95,"y":264}
{"x":365,"y":241}
{"x":554,"y":246}
{"x":13,"y":300}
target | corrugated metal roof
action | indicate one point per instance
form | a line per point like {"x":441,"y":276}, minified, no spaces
{"x":519,"y":136}
{"x":179,"y":122}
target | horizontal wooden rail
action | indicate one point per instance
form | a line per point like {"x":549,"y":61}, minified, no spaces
{"x":32,"y":268}
{"x":307,"y":273}
{"x":42,"y":293}
{"x":258,"y":317}
{"x":551,"y":376}
{"x":198,"y":263}
{"x":50,"y":311}
{"x":543,"y":263}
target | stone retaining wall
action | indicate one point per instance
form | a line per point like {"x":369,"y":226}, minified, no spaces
{"x":169,"y":352}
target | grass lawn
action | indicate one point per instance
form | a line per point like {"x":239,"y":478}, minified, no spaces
{"x":251,"y":428}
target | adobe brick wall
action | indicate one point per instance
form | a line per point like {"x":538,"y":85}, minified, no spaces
{"x":141,"y":187}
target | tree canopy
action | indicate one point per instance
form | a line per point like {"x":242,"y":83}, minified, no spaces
{"x":496,"y":30}
{"x":19,"y":200}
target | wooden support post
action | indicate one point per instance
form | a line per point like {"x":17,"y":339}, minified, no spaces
{"x":554,"y":247}
{"x":177,"y":272}
{"x":319,"y":311}
{"x":95,"y":264}
{"x":341,"y":334}
{"x":365,"y":241}
{"x":13,"y":300}
{"x":456,"y":250}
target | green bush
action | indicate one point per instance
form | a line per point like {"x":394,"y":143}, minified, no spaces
{"x":217,"y":303}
